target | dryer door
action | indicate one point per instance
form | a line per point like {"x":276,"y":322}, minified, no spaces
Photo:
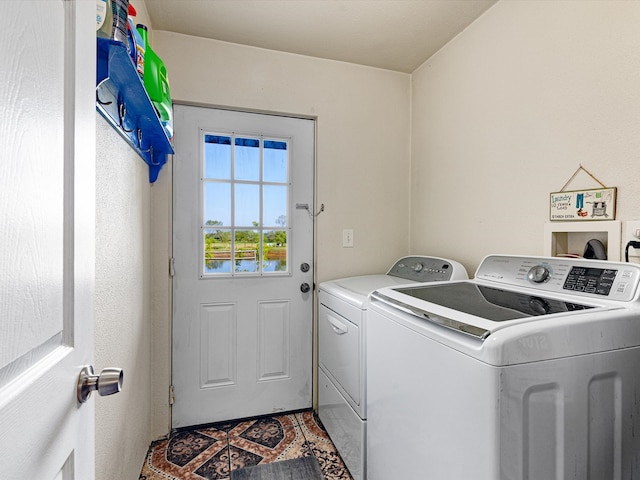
{"x":340,"y":352}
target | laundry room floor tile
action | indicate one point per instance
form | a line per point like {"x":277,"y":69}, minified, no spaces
{"x":211,"y":452}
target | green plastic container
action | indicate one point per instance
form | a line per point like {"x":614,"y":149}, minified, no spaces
{"x":156,"y":82}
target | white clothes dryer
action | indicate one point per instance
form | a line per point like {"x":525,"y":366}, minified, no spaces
{"x":527,"y":372}
{"x":342,"y":348}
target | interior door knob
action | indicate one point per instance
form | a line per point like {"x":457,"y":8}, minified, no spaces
{"x":107,"y":383}
{"x":304,"y":288}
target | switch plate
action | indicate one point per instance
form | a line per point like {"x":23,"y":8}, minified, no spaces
{"x":631,"y":229}
{"x":347,"y":238}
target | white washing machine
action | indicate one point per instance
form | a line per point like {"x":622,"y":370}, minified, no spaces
{"x":342,"y":349}
{"x":529,"y":371}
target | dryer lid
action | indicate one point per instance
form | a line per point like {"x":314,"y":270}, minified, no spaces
{"x":365,"y":284}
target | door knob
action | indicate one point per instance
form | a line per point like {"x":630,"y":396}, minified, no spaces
{"x":107,"y":383}
{"x":304,"y":288}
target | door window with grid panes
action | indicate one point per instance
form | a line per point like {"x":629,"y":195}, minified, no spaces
{"x":245,"y":192}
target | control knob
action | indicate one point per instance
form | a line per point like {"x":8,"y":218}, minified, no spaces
{"x":418,"y":267}
{"x":539,"y":274}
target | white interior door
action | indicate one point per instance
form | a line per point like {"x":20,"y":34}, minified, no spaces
{"x":47,"y":202}
{"x":243,"y":254}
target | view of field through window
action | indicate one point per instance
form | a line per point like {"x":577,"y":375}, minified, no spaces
{"x":245,"y":189}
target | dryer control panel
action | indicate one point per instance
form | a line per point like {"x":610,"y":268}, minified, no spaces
{"x":590,"y":278}
{"x":427,"y":269}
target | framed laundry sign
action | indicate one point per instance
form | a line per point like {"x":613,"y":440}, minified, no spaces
{"x":596,"y":204}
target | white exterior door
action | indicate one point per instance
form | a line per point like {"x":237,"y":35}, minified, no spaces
{"x":243,"y":263}
{"x":47,"y":203}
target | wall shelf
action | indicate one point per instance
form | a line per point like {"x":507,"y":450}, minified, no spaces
{"x":122,"y":100}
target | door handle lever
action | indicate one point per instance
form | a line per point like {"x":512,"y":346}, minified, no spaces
{"x":107,"y":383}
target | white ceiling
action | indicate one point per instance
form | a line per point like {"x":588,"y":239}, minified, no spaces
{"x":391,"y":34}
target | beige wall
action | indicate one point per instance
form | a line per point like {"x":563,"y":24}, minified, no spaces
{"x":505,"y":113}
{"x":362,"y":135}
{"x":122,"y":292}
{"x":363,"y":165}
{"x":362,"y":128}
{"x":498,"y":119}
{"x":123,"y":310}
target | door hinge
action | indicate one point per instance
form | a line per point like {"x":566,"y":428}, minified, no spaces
{"x":172,"y":267}
{"x":172,"y":397}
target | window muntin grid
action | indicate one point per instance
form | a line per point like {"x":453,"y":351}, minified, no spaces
{"x":245,"y":205}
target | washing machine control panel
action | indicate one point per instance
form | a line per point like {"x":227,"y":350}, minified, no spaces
{"x":593,"y":280}
{"x":575,"y":276}
{"x":427,"y":269}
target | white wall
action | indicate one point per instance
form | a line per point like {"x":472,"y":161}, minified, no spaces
{"x":505,"y":113}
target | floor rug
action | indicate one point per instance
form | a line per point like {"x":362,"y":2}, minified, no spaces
{"x":305,"y":468}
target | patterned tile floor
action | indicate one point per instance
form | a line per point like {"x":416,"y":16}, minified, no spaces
{"x":211,"y":451}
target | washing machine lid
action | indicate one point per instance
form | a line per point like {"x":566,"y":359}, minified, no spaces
{"x":495,"y":304}
{"x":475,"y":309}
{"x":511,"y":290}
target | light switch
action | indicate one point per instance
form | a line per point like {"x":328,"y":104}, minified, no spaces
{"x":347,"y":238}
